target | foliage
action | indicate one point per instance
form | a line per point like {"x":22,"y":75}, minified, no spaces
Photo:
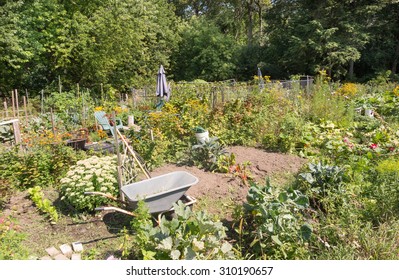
{"x":383,"y":192}
{"x":43,"y":204}
{"x":325,"y":184}
{"x":188,"y":236}
{"x":273,"y":225}
{"x":204,"y":52}
{"x":348,"y":90}
{"x":43,"y":165}
{"x":10,"y":240}
{"x":94,"y":174}
{"x":207,"y":155}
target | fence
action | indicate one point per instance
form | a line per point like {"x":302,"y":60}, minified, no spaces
{"x":19,"y":107}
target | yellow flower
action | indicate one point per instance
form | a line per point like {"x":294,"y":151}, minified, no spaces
{"x":396,"y":91}
{"x":347,"y":89}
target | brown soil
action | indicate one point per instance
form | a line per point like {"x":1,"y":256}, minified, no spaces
{"x":216,"y":193}
{"x":219,"y":192}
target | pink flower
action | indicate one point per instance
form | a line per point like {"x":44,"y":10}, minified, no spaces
{"x":391,"y":149}
{"x":373,"y":146}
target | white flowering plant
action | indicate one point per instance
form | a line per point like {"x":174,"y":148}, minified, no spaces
{"x":94,"y":174}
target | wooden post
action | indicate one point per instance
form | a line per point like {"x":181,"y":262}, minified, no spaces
{"x":52,"y":121}
{"x":17,"y":133}
{"x":13,"y":103}
{"x":16,"y":102}
{"x":133,"y":99}
{"x":59,"y":84}
{"x":119,"y":164}
{"x":26,"y":111}
{"x":6,"y":108}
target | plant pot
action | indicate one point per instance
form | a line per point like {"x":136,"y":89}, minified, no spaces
{"x":202,"y":137}
{"x":369,"y":113}
{"x":77,"y":144}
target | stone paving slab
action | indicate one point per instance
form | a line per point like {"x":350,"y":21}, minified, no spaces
{"x":61,"y":257}
{"x":52,"y":251}
{"x":77,"y":247}
{"x":66,"y":250}
{"x":76,"y":257}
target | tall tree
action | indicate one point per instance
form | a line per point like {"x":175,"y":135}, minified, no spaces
{"x":204,"y":53}
{"x":319,"y":35}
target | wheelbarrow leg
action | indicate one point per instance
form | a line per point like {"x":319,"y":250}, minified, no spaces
{"x":190,"y":201}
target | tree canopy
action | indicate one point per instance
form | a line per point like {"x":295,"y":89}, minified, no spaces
{"x":122,"y":43}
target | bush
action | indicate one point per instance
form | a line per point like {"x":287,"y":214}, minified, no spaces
{"x":10,"y":240}
{"x":382,"y":193}
{"x":188,"y":236}
{"x":41,"y":165}
{"x":90,"y":175}
{"x":273,"y":225}
{"x":325,"y":185}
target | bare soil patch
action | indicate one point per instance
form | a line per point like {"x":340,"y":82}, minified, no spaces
{"x":216,"y":193}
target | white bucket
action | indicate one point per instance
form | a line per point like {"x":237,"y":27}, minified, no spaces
{"x":369,"y":113}
{"x":202,"y":137}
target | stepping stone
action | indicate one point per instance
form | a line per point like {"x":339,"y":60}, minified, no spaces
{"x":76,"y":257}
{"x":112,"y":258}
{"x":77,"y":247}
{"x":66,"y":250}
{"x":52,"y":251}
{"x":61,"y":257}
{"x":46,"y":258}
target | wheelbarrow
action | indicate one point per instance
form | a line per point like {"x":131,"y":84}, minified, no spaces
{"x":159,"y":193}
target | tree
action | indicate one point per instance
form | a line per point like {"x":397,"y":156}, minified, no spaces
{"x":319,"y":35}
{"x":204,"y":53}
{"x":13,"y":42}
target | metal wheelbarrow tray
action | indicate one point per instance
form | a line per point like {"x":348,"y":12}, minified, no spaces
{"x":159,"y":193}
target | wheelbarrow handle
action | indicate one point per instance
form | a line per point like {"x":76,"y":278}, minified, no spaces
{"x":107,"y":208}
{"x":107,"y":195}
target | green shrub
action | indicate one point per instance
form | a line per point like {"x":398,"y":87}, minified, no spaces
{"x":273,"y":225}
{"x":382,"y":192}
{"x":325,"y":185}
{"x":11,"y":240}
{"x":43,"y":204}
{"x":95,"y":174}
{"x":209,"y":154}
{"x":188,"y":236}
{"x":40,"y":165}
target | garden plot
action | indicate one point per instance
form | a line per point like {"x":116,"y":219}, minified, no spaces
{"x":100,"y":233}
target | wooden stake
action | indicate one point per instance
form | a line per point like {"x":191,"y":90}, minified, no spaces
{"x":119,"y":164}
{"x":13,"y":104}
{"x":59,"y":84}
{"x":6,"y":108}
{"x":16,"y":102}
{"x":17,"y":133}
{"x":26,"y":111}
{"x":52,"y":121}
